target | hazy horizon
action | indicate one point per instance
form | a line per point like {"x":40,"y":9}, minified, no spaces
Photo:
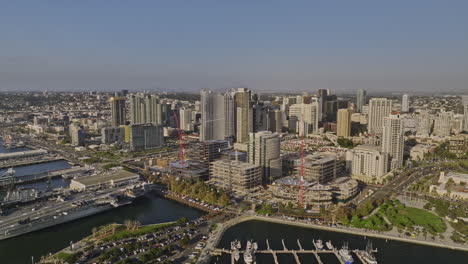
{"x":268,"y":46}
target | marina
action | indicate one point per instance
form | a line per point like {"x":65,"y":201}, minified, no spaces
{"x":287,"y":236}
{"x":251,"y":249}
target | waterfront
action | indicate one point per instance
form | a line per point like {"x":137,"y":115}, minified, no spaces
{"x":389,"y":251}
{"x":149,"y":209}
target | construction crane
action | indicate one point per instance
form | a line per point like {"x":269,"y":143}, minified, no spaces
{"x":181,"y":142}
{"x":301,"y":168}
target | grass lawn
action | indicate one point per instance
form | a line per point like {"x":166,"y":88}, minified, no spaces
{"x":403,"y":217}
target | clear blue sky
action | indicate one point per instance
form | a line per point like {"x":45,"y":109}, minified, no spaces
{"x":267,"y":45}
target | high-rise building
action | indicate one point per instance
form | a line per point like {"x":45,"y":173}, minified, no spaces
{"x":263,"y":149}
{"x":185,"y":119}
{"x":443,"y":124}
{"x":308,"y":112}
{"x":145,"y":108}
{"x":378,"y":109}
{"x":244,"y":115}
{"x":275,"y":122}
{"x":117,"y":111}
{"x":322,"y":96}
{"x":344,"y":123}
{"x":212,"y":116}
{"x":393,"y":140}
{"x":146,"y":136}
{"x":260,"y":117}
{"x":405,"y":103}
{"x":465,"y":113}
{"x":77,"y":134}
{"x":368,"y":163}
{"x":112,"y":134}
{"x":361,"y":98}
{"x":424,"y":121}
{"x":230,"y":110}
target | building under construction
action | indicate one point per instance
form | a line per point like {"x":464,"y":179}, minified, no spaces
{"x":235,"y":176}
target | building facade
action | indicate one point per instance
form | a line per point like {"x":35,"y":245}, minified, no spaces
{"x":393,"y":140}
{"x":344,"y":123}
{"x":263,"y":149}
{"x":146,"y":136}
{"x":378,"y":109}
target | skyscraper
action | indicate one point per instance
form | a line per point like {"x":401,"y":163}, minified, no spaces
{"x":378,"y":109}
{"x":244,"y":114}
{"x":443,"y":124}
{"x":117,"y":111}
{"x":322,"y":95}
{"x":230,"y":114}
{"x":405,"y":103}
{"x":465,"y":112}
{"x":360,"y":99}
{"x":263,"y":148}
{"x":185,"y":119}
{"x":145,"y":108}
{"x":344,"y":123}
{"x":212,"y":115}
{"x":393,"y":140}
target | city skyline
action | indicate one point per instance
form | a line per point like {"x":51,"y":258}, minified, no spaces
{"x":82,"y":46}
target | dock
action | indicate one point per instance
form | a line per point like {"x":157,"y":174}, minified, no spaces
{"x":294,"y":252}
{"x":17,"y":180}
{"x":27,"y":162}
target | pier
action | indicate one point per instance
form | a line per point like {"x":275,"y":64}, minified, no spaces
{"x":27,"y":162}
{"x":294,"y":252}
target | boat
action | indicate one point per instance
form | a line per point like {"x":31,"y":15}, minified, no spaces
{"x":249,"y":254}
{"x":345,"y":254}
{"x":367,"y":256}
{"x":319,"y":244}
{"x":235,"y":246}
{"x":330,"y":245}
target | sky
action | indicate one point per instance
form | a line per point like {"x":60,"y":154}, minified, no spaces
{"x":265,"y":45}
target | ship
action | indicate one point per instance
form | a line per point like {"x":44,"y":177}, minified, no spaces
{"x":367,"y":256}
{"x":249,"y":254}
{"x":319,"y":244}
{"x":345,"y":254}
{"x":330,"y":245}
{"x":79,"y":209}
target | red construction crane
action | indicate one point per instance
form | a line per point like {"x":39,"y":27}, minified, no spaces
{"x":181,"y":142}
{"x":301,"y":168}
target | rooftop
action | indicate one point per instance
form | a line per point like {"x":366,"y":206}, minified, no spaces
{"x":119,"y":175}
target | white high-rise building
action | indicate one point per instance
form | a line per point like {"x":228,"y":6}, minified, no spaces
{"x":185,"y":119}
{"x":378,"y":109}
{"x":368,"y":163}
{"x":212,"y":116}
{"x":393,"y":140}
{"x":405,"y":103}
{"x":308,"y":112}
{"x":263,"y":148}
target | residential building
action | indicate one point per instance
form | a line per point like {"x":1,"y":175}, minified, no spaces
{"x":405,"y":100}
{"x":263,"y":149}
{"x":378,"y":109}
{"x":235,"y":175}
{"x":459,"y":144}
{"x":112,"y":134}
{"x":145,"y":108}
{"x":118,"y":115}
{"x":146,"y":136}
{"x":361,"y":98}
{"x":344,"y":123}
{"x":244,"y":115}
{"x":393,"y":140}
{"x":369,"y":163}
{"x":443,"y":124}
{"x":212,"y":116}
{"x":318,"y":167}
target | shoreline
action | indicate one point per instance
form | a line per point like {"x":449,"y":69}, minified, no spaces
{"x":332,"y":229}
